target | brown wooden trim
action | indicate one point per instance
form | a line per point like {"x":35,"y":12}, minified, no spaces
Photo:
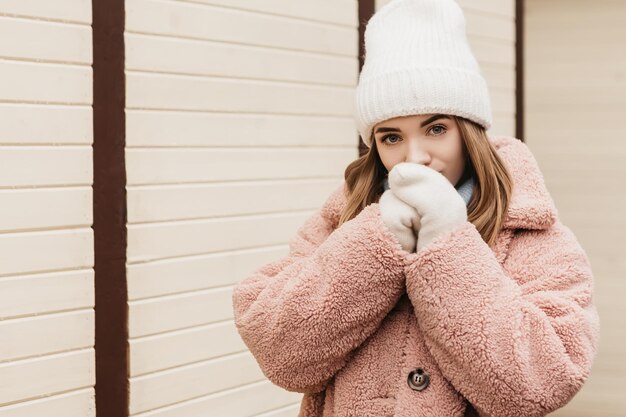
{"x":519,"y":69}
{"x":366,"y":9}
{"x":109,"y":209}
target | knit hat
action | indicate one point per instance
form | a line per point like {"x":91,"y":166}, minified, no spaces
{"x":418,"y":61}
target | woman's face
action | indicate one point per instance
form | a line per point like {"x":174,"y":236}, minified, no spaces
{"x":433,"y":140}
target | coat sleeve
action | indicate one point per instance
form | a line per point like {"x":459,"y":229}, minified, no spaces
{"x":518,"y":338}
{"x":303,"y":315}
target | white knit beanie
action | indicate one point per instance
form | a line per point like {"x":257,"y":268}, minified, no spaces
{"x":418,"y":61}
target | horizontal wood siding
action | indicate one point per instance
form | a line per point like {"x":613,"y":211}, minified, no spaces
{"x":46,"y":240}
{"x":575,"y":106}
{"x":239,"y":125}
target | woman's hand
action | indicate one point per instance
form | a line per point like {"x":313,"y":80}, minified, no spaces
{"x":400,"y":218}
{"x":438,"y":204}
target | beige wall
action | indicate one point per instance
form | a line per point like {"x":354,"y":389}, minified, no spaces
{"x":239,"y":125}
{"x":46,"y":243}
{"x":490,"y":26}
{"x":575,"y":107}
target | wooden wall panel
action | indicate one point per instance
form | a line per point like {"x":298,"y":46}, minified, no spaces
{"x":185,"y":165}
{"x":46,"y":240}
{"x":239,"y":125}
{"x":63,"y":11}
{"x":45,"y":124}
{"x":186,"y":56}
{"x":152,"y":279}
{"x":247,"y":398}
{"x":575,"y":89}
{"x":152,"y":203}
{"x":48,"y":375}
{"x":171,"y":386}
{"x":75,"y":403}
{"x":154,"y":241}
{"x":163,"y":128}
{"x":213,"y":23}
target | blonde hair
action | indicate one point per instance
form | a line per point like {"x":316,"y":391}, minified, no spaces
{"x":492,"y":183}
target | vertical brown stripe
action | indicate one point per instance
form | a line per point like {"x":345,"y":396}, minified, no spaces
{"x":109,"y":209}
{"x":519,"y":69}
{"x":366,"y":10}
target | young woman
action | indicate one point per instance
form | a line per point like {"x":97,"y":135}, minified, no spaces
{"x":437,"y":279}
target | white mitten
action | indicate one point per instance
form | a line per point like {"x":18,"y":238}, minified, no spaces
{"x":439,"y":205}
{"x":400,"y":218}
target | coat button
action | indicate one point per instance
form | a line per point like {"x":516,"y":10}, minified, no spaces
{"x":418,"y":379}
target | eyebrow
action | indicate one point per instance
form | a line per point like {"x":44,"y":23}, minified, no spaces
{"x":424,"y":123}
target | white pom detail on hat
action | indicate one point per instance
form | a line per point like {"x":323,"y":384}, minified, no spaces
{"x":418,"y":61}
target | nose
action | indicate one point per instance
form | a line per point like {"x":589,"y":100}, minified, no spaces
{"x":417,"y":153}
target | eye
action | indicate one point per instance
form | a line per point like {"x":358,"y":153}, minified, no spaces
{"x":384,"y":139}
{"x":442,"y":131}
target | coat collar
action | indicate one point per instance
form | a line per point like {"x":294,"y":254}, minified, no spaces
{"x":531,"y":206}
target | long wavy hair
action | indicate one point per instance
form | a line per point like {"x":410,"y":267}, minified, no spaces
{"x":492,"y":182}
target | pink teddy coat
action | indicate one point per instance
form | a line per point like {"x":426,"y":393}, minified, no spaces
{"x":358,"y":324}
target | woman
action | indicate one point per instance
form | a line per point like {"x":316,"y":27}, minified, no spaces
{"x":437,"y":279}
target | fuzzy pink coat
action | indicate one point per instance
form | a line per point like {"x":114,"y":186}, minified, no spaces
{"x":348,"y":315}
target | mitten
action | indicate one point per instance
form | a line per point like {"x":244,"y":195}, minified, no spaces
{"x":438,"y":204}
{"x":400,"y":218}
